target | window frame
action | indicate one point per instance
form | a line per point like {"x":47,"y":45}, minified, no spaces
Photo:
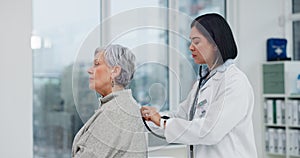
{"x":288,"y":20}
{"x":173,"y":42}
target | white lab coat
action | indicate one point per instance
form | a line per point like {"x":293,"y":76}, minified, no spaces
{"x":222,"y":125}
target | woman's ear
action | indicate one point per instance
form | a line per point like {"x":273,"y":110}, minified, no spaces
{"x":115,"y":72}
{"x":216,"y":48}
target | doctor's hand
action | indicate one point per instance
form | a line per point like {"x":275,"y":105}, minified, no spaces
{"x":150,"y":114}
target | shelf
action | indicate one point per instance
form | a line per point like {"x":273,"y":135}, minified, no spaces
{"x":283,"y":126}
{"x":295,"y":156}
{"x":273,"y":125}
{"x":291,"y":96}
{"x":276,"y":154}
{"x":278,"y":83}
{"x":294,"y":96}
{"x":292,"y":126}
{"x":273,"y":95}
{"x":275,"y":62}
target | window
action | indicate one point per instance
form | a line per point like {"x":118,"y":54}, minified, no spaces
{"x":165,"y":71}
{"x":295,"y":6}
{"x":61,"y":46}
{"x":296,"y":29}
{"x":150,"y":84}
{"x":296,"y":41}
{"x":293,"y":28}
{"x":58,"y":30}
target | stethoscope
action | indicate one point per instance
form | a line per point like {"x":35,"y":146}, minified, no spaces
{"x":192,"y":111}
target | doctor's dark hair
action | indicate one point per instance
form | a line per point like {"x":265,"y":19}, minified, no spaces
{"x":117,"y":55}
{"x":215,"y":28}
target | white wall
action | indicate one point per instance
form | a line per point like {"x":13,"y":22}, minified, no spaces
{"x":253,"y":21}
{"x":16,"y":80}
{"x":256,"y":21}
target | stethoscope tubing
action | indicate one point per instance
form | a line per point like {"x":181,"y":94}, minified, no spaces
{"x":194,"y":102}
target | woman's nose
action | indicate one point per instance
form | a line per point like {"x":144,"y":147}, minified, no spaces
{"x":191,"y":47}
{"x":90,"y":70}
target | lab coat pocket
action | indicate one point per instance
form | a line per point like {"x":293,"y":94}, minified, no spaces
{"x":202,"y":108}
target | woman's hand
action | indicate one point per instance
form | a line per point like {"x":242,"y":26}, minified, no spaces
{"x":150,"y":114}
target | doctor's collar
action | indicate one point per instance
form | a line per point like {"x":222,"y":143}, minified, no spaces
{"x":220,"y":68}
{"x":223,"y":67}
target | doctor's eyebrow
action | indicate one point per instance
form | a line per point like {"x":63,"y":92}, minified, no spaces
{"x":192,"y":38}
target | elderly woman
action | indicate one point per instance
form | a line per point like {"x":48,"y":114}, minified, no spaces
{"x":116,"y":129}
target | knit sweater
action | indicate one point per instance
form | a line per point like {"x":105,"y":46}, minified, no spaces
{"x":115,"y":130}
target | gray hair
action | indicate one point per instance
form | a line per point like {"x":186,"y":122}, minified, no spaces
{"x":117,"y":55}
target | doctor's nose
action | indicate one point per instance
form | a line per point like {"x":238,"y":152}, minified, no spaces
{"x":192,"y":47}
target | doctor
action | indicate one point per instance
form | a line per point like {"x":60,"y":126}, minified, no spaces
{"x":215,"y":120}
